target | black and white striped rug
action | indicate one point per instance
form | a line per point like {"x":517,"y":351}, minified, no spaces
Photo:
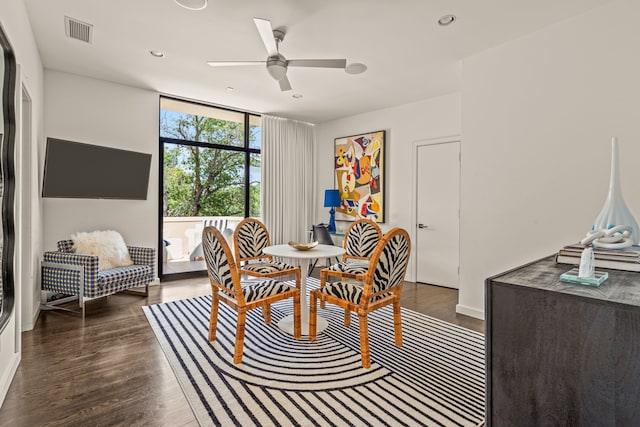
{"x":435,"y":379}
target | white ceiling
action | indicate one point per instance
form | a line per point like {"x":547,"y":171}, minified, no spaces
{"x":408,"y":55}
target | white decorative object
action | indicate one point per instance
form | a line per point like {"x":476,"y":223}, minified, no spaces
{"x":587,"y":264}
{"x":108,"y":246}
{"x":614,"y":213}
{"x":617,"y":237}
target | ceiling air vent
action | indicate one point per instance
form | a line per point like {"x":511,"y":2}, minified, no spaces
{"x":77,"y":29}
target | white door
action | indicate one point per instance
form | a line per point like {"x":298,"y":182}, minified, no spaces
{"x":438,"y":214}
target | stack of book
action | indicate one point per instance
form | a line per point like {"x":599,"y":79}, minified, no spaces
{"x":619,"y":259}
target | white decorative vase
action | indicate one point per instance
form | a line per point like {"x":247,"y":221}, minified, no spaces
{"x":615,"y":211}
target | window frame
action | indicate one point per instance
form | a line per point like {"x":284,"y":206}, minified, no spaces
{"x":162,"y":140}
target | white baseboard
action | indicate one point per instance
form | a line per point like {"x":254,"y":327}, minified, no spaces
{"x":36,"y":313}
{"x":7,"y":376}
{"x":468,"y":311}
{"x":32,"y":323}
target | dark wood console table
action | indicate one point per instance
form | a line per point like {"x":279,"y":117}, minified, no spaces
{"x":562,"y":354}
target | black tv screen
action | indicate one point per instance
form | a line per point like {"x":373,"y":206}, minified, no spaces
{"x":85,"y":171}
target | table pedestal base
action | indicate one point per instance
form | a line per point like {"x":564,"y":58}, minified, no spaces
{"x":286,"y":324}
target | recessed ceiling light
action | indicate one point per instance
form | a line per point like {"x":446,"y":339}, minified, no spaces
{"x":157,"y":53}
{"x":355,"y":68}
{"x":229,"y":89}
{"x":192,"y":4}
{"x":297,"y":95}
{"x":447,"y":20}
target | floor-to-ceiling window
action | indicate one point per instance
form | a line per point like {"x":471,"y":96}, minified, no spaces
{"x":210,"y":175}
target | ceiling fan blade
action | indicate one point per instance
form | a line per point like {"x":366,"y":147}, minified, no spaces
{"x":284,"y":84}
{"x":234,"y":63}
{"x":266,"y":34}
{"x":321,"y":63}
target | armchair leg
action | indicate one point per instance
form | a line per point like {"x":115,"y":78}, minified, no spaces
{"x":313,"y":313}
{"x":364,"y":341}
{"x":297,"y":322}
{"x":323,"y":280}
{"x":131,"y":291}
{"x":266,"y":313}
{"x":397,"y":321}
{"x":237,"y":351}
{"x":213,"y":320}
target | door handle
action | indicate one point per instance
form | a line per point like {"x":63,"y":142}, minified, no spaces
{"x":422,"y":226}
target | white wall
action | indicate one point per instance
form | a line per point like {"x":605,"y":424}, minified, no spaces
{"x":102,"y":113}
{"x":16,"y":25}
{"x":404,"y":124}
{"x":538,"y":114}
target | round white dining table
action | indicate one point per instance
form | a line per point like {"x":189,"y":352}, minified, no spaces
{"x":320,"y":251}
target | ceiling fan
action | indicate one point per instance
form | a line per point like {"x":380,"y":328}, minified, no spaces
{"x":276,"y":63}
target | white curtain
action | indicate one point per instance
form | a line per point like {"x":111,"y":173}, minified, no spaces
{"x":288,"y":199}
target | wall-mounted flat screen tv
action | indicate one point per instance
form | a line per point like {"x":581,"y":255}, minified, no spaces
{"x":85,"y":171}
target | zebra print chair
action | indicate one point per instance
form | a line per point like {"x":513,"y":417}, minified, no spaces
{"x":360,"y":240}
{"x":244,"y":295}
{"x":249,"y":239}
{"x":382,"y":286}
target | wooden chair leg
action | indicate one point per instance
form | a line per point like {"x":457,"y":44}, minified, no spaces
{"x":266,"y":313}
{"x":213,"y":319}
{"x":347,"y":317}
{"x":297,"y":322}
{"x":237,"y":352}
{"x":313,"y":313}
{"x":397,"y":321}
{"x":364,"y":341}
{"x":323,"y":279}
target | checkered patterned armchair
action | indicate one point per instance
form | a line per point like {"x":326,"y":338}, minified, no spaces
{"x":66,"y":272}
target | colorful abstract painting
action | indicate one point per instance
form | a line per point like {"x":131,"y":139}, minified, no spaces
{"x":359,"y":175}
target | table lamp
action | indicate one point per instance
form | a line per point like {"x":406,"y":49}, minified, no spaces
{"x":332,"y":200}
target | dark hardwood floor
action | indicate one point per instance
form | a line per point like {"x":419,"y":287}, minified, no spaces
{"x":109,"y":369}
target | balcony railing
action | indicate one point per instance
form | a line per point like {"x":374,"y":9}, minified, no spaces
{"x":183,"y":235}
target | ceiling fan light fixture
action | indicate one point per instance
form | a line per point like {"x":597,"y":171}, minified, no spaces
{"x":355,"y":68}
{"x":277,"y":68}
{"x":192,"y":4}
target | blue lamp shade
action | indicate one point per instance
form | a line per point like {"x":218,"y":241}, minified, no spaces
{"x":332,"y":200}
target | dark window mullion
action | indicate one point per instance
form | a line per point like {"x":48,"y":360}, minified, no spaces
{"x":166,"y":140}
{"x":247,"y":164}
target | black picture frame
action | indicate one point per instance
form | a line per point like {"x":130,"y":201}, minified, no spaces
{"x":7,"y":186}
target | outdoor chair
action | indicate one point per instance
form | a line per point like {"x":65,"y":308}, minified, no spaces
{"x":242,"y":296}
{"x":381,"y":286}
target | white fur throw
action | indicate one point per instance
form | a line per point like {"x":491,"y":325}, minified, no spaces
{"x":108,"y":245}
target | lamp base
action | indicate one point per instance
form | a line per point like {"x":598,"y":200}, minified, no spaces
{"x":332,"y":220}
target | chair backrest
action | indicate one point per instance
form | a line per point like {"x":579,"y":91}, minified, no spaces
{"x":249,"y":239}
{"x":321,"y":234}
{"x":361,"y":239}
{"x":389,"y":262}
{"x":221,"y":266}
